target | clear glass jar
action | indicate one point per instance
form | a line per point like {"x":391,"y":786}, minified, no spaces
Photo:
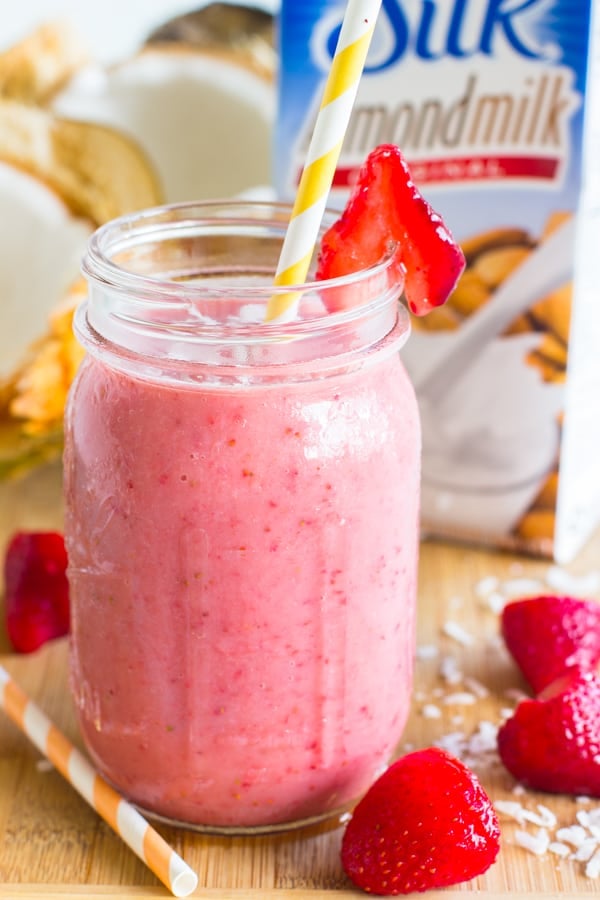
{"x":241,"y":523}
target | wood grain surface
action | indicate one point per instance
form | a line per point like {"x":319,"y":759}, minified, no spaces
{"x":53,"y":845}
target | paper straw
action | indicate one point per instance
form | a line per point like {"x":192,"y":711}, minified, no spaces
{"x":117,"y":812}
{"x":323,"y":153}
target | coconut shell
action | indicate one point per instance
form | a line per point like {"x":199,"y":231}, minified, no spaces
{"x":244,"y":30}
{"x":98,"y":172}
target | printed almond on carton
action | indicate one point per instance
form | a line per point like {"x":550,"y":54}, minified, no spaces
{"x":492,"y":103}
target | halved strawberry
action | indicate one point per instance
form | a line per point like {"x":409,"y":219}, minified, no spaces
{"x":36,"y":589}
{"x":547,"y":634}
{"x":425,"y":823}
{"x":384,"y":209}
{"x":552,"y":743}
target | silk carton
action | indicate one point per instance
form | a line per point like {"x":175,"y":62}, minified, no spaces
{"x":496,"y":105}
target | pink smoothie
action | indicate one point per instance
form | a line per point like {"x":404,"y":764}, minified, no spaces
{"x":243,"y":573}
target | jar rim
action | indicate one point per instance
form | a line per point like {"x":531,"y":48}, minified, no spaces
{"x":191,"y":282}
{"x":134,"y":229}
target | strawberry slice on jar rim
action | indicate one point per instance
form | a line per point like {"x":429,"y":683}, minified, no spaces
{"x":387,"y":213}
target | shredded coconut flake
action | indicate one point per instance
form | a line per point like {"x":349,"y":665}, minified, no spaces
{"x":517,"y":586}
{"x":559,"y":849}
{"x":479,"y":750}
{"x":431,"y":711}
{"x":427,"y":651}
{"x":457,"y":633}
{"x":486,"y":586}
{"x":537,"y":843}
{"x":561,"y":580}
{"x":495,"y":602}
{"x":589,"y":818}
{"x":449,"y":670}
{"x":460,"y":698}
{"x":454,"y":742}
{"x":512,"y":809}
{"x":583,"y":817}
{"x":476,"y":687}
{"x":592,"y":869}
{"x":544,"y":817}
{"x":586,"y":850}
{"x":572,"y":834}
{"x":485,"y":739}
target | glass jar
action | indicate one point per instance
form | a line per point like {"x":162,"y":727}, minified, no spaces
{"x":241,"y":523}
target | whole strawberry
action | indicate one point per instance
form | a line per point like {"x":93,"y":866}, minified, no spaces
{"x":547,"y":634}
{"x":552,"y":743}
{"x":36,"y":589}
{"x":425,"y":823}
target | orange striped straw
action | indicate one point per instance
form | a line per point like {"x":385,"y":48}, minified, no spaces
{"x":323,"y":154}
{"x":123,"y":818}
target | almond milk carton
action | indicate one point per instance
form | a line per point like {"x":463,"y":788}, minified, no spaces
{"x":496,"y":105}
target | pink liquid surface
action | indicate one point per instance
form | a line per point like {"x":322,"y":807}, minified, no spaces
{"x":243,"y":575}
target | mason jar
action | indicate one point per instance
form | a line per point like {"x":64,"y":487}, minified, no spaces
{"x":241,"y":522}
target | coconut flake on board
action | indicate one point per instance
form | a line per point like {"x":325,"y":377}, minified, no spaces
{"x":459,"y":634}
{"x":577,"y":842}
{"x":577,"y":585}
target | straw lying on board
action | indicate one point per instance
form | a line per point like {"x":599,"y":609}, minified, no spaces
{"x":323,"y":154}
{"x":123,"y":818}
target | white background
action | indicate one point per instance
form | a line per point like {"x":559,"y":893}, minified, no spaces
{"x":111,"y":29}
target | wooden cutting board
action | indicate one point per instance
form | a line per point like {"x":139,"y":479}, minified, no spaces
{"x":53,"y":845}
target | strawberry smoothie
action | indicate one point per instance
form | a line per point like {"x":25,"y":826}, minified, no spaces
{"x":242,"y":565}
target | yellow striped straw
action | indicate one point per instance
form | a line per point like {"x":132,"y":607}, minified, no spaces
{"x":123,"y":818}
{"x":323,"y":154}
